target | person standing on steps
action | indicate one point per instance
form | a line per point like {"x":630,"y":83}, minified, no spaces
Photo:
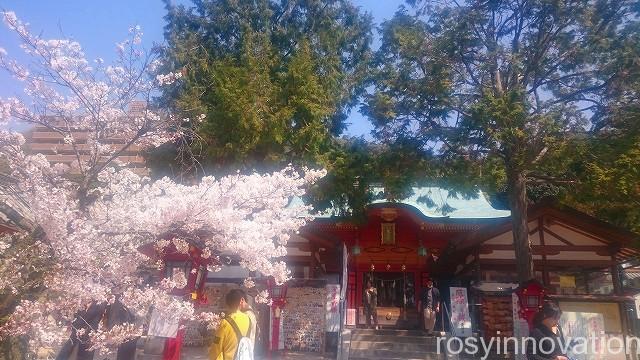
{"x":371,"y":304}
{"x":430,"y":306}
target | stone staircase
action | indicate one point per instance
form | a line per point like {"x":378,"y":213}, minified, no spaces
{"x":392,"y":345}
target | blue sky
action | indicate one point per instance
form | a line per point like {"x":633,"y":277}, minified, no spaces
{"x":98,"y":25}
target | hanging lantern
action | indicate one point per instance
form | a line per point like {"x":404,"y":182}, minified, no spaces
{"x":355,"y":250}
{"x":422,"y":251}
{"x":277,"y":293}
{"x":404,"y":267}
{"x":388,"y":267}
{"x":373,"y":267}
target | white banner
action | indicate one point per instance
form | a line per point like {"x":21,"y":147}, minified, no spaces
{"x":281,"y":334}
{"x":332,"y":308}
{"x":520,"y":325}
{"x":460,"y":318}
{"x":162,"y":325}
{"x":345,"y":273}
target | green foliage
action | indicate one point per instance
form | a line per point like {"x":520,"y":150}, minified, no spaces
{"x":501,"y":89}
{"x":610,"y":171}
{"x":608,"y":162}
{"x":14,"y":348}
{"x":351,"y":167}
{"x":466,"y":95}
{"x":611,"y":187}
{"x":274,"y":79}
{"x":355,"y":166}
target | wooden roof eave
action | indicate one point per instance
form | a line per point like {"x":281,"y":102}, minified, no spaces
{"x":324,"y":240}
{"x":621,"y":241}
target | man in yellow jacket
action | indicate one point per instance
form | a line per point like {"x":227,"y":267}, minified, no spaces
{"x":225,"y":342}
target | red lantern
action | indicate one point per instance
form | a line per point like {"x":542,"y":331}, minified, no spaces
{"x":277,"y":293}
{"x":531,"y":297}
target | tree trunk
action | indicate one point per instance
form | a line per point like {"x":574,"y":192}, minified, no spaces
{"x":520,"y":225}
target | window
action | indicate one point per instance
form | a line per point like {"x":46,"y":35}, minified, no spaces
{"x":601,"y":283}
{"x":539,"y":276}
{"x":581,"y":282}
{"x":532,"y":301}
{"x":173,"y":267}
{"x":568,"y":282}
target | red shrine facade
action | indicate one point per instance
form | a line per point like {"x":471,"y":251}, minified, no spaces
{"x":580,"y":261}
{"x":397,"y":249}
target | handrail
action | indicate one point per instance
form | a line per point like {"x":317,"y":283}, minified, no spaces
{"x":446,"y":309}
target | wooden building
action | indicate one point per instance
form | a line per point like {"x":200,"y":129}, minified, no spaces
{"x":52,"y":144}
{"x":582,"y":262}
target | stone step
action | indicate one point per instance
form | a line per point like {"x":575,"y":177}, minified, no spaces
{"x":392,"y":345}
{"x":487,"y":357}
{"x":388,"y":332}
{"x":391,"y":338}
{"x":372,"y":354}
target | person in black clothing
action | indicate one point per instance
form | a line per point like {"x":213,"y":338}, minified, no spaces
{"x":546,"y":327}
{"x":430,"y":306}
{"x":371,"y":304}
{"x":118,"y":314}
{"x":77,"y":347}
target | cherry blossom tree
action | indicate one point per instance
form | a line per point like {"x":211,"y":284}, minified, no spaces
{"x":89,"y":219}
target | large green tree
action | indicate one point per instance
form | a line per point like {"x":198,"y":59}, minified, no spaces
{"x":610,"y":161}
{"x":500,"y":88}
{"x":275,"y":79}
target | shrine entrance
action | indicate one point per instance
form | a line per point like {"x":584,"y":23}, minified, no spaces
{"x":396,"y":249}
{"x":396,"y":299}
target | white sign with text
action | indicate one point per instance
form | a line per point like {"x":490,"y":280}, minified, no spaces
{"x":460,"y":318}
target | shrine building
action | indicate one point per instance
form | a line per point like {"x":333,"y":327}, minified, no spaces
{"x":586,"y":265}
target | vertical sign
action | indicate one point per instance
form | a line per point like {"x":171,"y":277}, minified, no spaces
{"x":332,"y":308}
{"x":281,"y":333}
{"x":460,"y":318}
{"x":271,"y":330}
{"x":520,"y":327}
{"x":345,"y":273}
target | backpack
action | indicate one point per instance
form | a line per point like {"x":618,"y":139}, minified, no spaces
{"x":244,"y":350}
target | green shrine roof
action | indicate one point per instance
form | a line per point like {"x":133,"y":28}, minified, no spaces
{"x":432,"y":202}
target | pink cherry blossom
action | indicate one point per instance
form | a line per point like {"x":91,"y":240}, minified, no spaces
{"x":212,"y":320}
{"x":263,"y":298}
{"x":248,"y":283}
{"x":85,"y":223}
